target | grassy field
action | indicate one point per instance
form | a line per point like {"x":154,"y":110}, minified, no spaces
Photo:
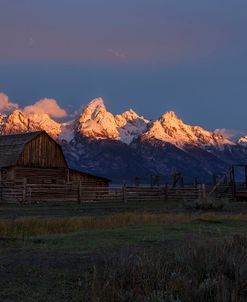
{"x":97,"y":252}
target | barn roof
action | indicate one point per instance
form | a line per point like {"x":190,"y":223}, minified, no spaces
{"x":89,"y":174}
{"x":12,"y":145}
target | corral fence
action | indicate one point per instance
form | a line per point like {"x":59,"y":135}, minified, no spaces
{"x":24,"y":192}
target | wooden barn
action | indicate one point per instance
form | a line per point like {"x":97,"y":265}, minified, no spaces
{"x":35,"y":158}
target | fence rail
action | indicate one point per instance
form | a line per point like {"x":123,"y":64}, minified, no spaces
{"x":76,"y":192}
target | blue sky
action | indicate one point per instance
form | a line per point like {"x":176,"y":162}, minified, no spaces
{"x":152,"y":55}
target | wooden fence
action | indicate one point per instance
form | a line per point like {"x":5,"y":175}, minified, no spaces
{"x":29,"y":193}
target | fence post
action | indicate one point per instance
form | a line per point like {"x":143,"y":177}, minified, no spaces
{"x":203,"y":191}
{"x":124,"y":194}
{"x":24,"y":195}
{"x":1,"y":189}
{"x":30,"y":195}
{"x":79,"y":192}
{"x":199,"y":188}
{"x":195,"y":182}
{"x":166,"y":192}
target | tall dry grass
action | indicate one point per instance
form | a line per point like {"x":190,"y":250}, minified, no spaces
{"x":199,"y":271}
{"x":25,"y":227}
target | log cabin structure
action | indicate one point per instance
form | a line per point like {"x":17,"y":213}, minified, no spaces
{"x":35,"y":158}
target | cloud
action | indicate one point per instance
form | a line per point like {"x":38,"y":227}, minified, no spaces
{"x":31,"y":42}
{"x":231,"y":134}
{"x":5,"y":104}
{"x":117,"y":53}
{"x":48,"y":106}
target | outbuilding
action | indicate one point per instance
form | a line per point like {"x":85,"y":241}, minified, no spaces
{"x":36,"y":158}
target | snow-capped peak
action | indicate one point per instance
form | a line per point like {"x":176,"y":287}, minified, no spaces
{"x":169,"y":128}
{"x":95,"y":105}
{"x":130,"y":115}
{"x":96,"y":122}
{"x":242,"y":141}
{"x":44,"y":122}
{"x":231,"y":134}
{"x":170,"y":115}
{"x":16,"y":122}
{"x":19,"y":122}
{"x":130,"y":125}
{"x":93,"y":109}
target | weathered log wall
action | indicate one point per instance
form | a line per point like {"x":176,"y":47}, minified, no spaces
{"x":39,"y":175}
{"x":42,"y":151}
{"x":35,"y":175}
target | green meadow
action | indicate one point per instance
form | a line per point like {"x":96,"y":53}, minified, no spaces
{"x":71,"y":252}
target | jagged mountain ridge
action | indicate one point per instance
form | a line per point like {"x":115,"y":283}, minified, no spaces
{"x":169,"y":128}
{"x":126,"y":145}
{"x":94,"y":122}
{"x":97,"y":123}
{"x":19,"y":122}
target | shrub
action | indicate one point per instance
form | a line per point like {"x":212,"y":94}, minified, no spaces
{"x":207,"y":203}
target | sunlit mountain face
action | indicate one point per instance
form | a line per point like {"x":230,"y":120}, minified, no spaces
{"x":127,"y":145}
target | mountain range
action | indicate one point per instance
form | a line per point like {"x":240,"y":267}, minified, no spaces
{"x":124,"y":146}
